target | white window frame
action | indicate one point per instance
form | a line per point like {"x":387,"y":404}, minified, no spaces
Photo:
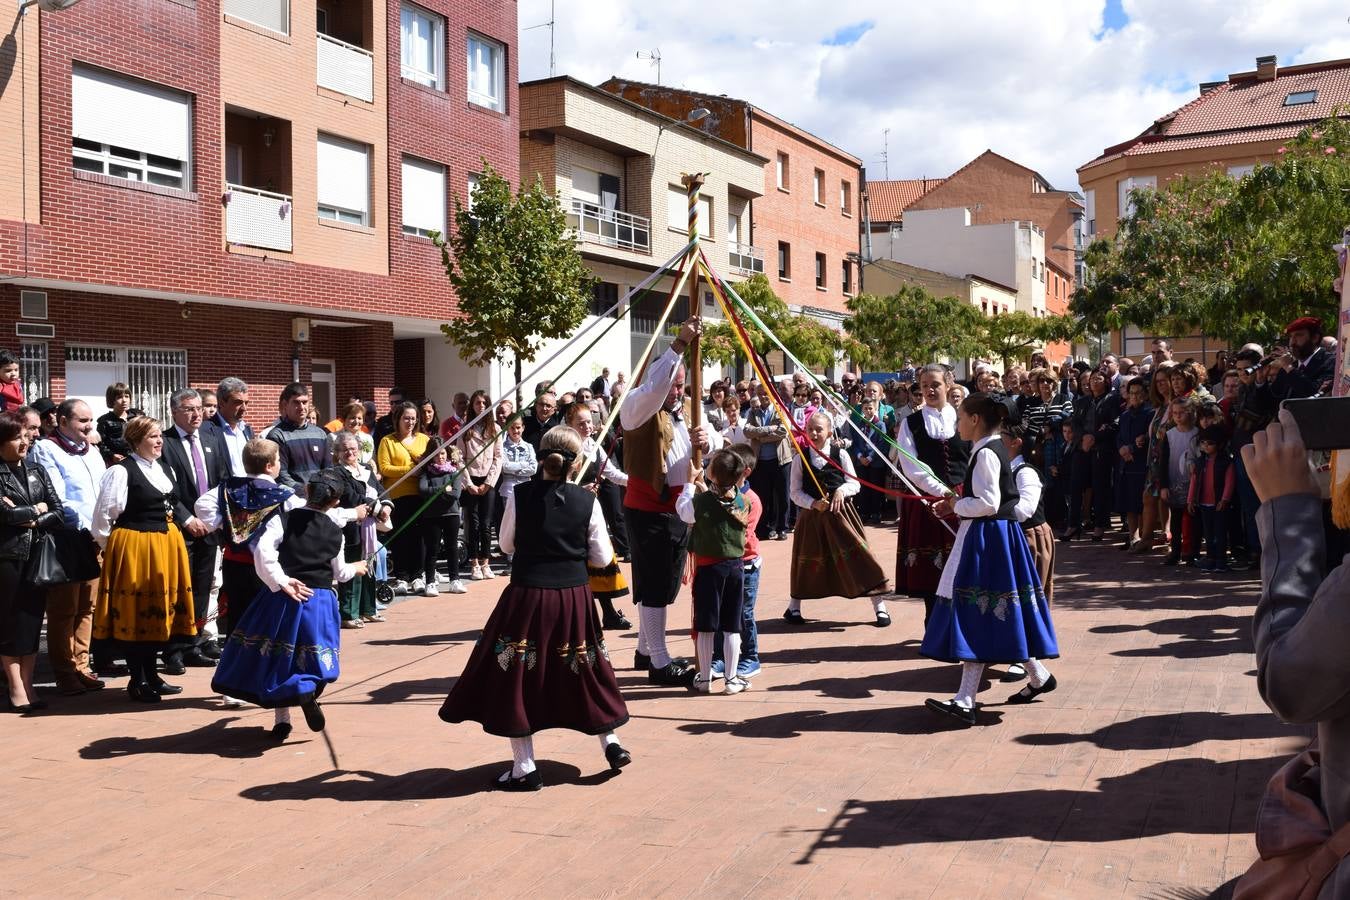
{"x":818,"y":186}
{"x":433,"y":79}
{"x":677,"y":212}
{"x":784,"y":170}
{"x":106,"y":107}
{"x":421,"y":230}
{"x":132,"y":165}
{"x":497,"y":99}
{"x":345,"y":214}
{"x":249,"y":11}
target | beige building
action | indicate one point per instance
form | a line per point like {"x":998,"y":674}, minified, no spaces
{"x":617,"y":169}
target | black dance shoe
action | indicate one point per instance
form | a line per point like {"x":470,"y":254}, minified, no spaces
{"x":313,"y":715}
{"x":280,"y":732}
{"x":641,"y":661}
{"x":883,"y":618}
{"x":617,"y":622}
{"x":173,"y":665}
{"x":1029,"y":693}
{"x":617,"y":756}
{"x":953,"y":709}
{"x":793,"y":617}
{"x":1016,"y":672}
{"x":670,"y":675}
{"x":140,"y":692}
{"x":198,"y":660}
{"x":164,"y":689}
{"x":211,"y":650}
{"x":530,"y":781}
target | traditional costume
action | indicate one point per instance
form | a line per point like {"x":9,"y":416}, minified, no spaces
{"x":541,"y":661}
{"x":1030,"y":514}
{"x":717,"y":538}
{"x":830,"y":557}
{"x":241,"y":506}
{"x":925,"y":543}
{"x":607,"y":582}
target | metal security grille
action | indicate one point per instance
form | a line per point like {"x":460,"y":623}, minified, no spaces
{"x":152,"y":375}
{"x":34,"y":371}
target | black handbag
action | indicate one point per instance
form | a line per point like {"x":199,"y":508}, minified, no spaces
{"x":62,"y":556}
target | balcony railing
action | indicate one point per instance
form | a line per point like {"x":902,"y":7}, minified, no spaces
{"x":610,"y":227}
{"x":346,"y":68}
{"x":745,"y":259}
{"x":257,"y":218}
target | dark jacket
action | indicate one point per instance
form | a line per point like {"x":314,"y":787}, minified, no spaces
{"x":304,"y":451}
{"x":216,"y":425}
{"x":31,"y":486}
{"x":1307,"y":379}
{"x":1133,"y":423}
{"x":432,"y":484}
{"x":215,"y":459}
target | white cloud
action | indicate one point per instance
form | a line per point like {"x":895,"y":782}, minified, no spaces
{"x":1026,"y":78}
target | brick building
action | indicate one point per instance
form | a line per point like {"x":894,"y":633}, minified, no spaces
{"x":803,"y":232}
{"x":201,"y":182}
{"x":1232,"y":125}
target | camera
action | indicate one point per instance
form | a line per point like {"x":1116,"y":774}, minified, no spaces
{"x":1324,"y":422}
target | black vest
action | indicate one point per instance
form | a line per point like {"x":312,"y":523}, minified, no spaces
{"x":308,"y":547}
{"x":948,"y":459}
{"x":552,"y":535}
{"x":829,"y":477}
{"x":148,"y":508}
{"x":353,"y":495}
{"x":1007,"y":488}
{"x":1038,"y":517}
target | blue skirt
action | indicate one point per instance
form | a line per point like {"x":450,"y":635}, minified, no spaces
{"x":990,"y":607}
{"x":282,"y":653}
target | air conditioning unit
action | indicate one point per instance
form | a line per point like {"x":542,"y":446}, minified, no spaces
{"x":33,"y":330}
{"x":33,"y":304}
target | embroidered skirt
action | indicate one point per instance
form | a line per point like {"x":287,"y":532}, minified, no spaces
{"x":921,"y":551}
{"x":145,"y":591}
{"x":540,"y":663}
{"x":607,"y":581}
{"x":830,"y":557}
{"x":990,"y":604}
{"x":282,"y":652}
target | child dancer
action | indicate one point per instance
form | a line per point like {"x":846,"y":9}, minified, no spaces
{"x":284,"y":651}
{"x":829,"y":551}
{"x":1211,"y":493}
{"x":607,"y":582}
{"x":719,"y":515}
{"x":748,"y":667}
{"x":541,"y":662}
{"x":990,"y":606}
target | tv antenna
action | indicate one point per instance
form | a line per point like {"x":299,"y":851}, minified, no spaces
{"x":655,"y":56}
{"x":886,"y":153}
{"x":552,"y":20}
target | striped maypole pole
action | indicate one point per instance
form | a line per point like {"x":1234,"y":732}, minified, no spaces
{"x":693,"y":183}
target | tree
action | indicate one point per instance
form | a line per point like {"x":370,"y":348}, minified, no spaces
{"x":1235,"y":258}
{"x":812,"y":342}
{"x":911,"y":324}
{"x":514,"y":264}
{"x":1010,"y":335}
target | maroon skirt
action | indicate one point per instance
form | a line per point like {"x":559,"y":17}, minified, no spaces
{"x":540,"y":663}
{"x":922,"y":549}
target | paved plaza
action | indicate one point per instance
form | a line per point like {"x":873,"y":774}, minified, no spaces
{"x":1139,"y":777}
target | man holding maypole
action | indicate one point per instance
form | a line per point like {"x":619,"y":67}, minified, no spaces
{"x":658,"y":453}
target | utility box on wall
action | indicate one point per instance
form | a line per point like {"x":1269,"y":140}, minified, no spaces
{"x":300,"y":330}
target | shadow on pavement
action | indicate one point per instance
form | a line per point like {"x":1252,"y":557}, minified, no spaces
{"x":841,"y":653}
{"x":893,"y":720}
{"x":1168,"y":730}
{"x":936,"y":679}
{"x":421,"y":784}
{"x":429,"y":640}
{"x":213,"y":739}
{"x":1201,"y":636}
{"x":417,"y":688}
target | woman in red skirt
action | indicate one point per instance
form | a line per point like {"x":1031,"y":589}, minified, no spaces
{"x":541,"y":661}
{"x":928,"y":434}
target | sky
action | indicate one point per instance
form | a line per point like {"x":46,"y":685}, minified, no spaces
{"x":1048,"y":83}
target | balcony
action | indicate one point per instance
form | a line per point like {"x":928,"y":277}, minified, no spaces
{"x":257,"y":218}
{"x":610,"y":227}
{"x":745,"y":259}
{"x":346,"y":68}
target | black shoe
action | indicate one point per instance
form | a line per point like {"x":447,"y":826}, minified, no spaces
{"x":313,"y":715}
{"x":530,"y":781}
{"x":617,"y":756}
{"x":1172,"y":559}
{"x":883,"y":619}
{"x":173,"y":665}
{"x":617,"y":622}
{"x":280,"y":732}
{"x":110,"y":670}
{"x":793,"y":617}
{"x":670,"y":675}
{"x":1029,"y":693}
{"x":164,"y":689}
{"x":641,"y":661}
{"x":141,"y":692}
{"x":26,"y":708}
{"x":953,"y":709}
{"x":1014,"y":674}
{"x":211,"y":650}
{"x":198,"y":660}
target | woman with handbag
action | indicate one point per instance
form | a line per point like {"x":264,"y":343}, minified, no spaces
{"x":145,"y":594}
{"x":29,"y":507}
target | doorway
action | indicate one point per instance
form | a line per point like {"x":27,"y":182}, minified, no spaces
{"x":323,"y":375}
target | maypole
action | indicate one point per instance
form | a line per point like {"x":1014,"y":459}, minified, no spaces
{"x":693,"y":183}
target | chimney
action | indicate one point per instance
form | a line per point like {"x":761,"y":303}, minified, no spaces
{"x":1207,"y":86}
{"x":1265,"y":68}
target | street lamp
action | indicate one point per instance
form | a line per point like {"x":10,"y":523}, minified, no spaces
{"x":47,"y":5}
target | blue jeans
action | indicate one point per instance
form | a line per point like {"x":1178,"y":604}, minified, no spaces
{"x":749,"y":630}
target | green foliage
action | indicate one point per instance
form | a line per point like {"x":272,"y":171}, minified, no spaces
{"x":1012,"y":336}
{"x":911,"y":324}
{"x":1236,"y":259}
{"x":812,"y":342}
{"x":515,"y":266}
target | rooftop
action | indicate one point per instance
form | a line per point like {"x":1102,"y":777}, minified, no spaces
{"x":888,"y":199}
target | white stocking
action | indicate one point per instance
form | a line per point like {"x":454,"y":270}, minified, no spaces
{"x":794,"y":605}
{"x":703,"y":649}
{"x":608,"y":738}
{"x":878,"y":604}
{"x":281,"y":715}
{"x":971,"y":673}
{"x":522,"y":756}
{"x":1037,"y":673}
{"x":731,"y":652}
{"x":652,"y":632}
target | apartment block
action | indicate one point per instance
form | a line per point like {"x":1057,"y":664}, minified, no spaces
{"x":245,"y":187}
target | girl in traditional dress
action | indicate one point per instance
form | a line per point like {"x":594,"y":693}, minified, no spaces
{"x":607,"y":582}
{"x":829,"y":551}
{"x":284,"y":651}
{"x":991,"y":607}
{"x":928,"y":435}
{"x":541,"y":662}
{"x":145,"y":591}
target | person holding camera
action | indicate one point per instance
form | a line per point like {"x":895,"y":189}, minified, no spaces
{"x":1307,"y":369}
{"x":1301,"y":628}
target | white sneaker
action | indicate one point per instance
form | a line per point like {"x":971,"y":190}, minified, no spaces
{"x":399,"y":586}
{"x":488,"y":573}
{"x":230,"y":702}
{"x":431,"y":590}
{"x":456,"y":587}
{"x":417,"y":587}
{"x":736,"y":684}
{"x":701,"y":685}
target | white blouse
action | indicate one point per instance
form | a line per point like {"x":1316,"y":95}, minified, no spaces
{"x":1028,"y":490}
{"x":795,"y":479}
{"x":266,"y":556}
{"x":112,"y":494}
{"x":984,"y":493}
{"x":941,"y":426}
{"x":608,"y":471}
{"x":599,"y":550}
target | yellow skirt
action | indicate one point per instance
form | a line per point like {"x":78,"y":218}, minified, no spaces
{"x":145,"y":591}
{"x":608,"y":581}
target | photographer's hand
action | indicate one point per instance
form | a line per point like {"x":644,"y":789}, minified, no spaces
{"x":1277,"y":461}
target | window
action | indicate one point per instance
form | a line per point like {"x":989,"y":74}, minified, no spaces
{"x":677,"y":212}
{"x":1239,"y":172}
{"x":33,"y":305}
{"x":848,"y":277}
{"x":818,"y":187}
{"x":596,"y":189}
{"x":130,"y":129}
{"x":423,"y":197}
{"x":1090,"y":212}
{"x":486,"y":65}
{"x":474,"y":178}
{"x":321,"y":21}
{"x":1125,"y":206}
{"x":1299,"y":98}
{"x":271,"y":14}
{"x":33,"y":372}
{"x":603,"y":298}
{"x":344,"y":181}
{"x":422,"y":47}
{"x":783,"y":173}
{"x":152,"y":375}
{"x":820,"y":271}
{"x":784,"y":261}
{"x":846,"y":198}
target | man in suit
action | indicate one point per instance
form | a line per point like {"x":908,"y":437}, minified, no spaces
{"x":199,"y":462}
{"x":228,"y":423}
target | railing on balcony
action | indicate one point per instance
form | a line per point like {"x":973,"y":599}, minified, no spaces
{"x":346,"y":68}
{"x":257,"y":218}
{"x":610,"y":227}
{"x":745,"y":259}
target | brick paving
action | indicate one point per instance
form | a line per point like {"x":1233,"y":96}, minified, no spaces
{"x":1139,"y":777}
